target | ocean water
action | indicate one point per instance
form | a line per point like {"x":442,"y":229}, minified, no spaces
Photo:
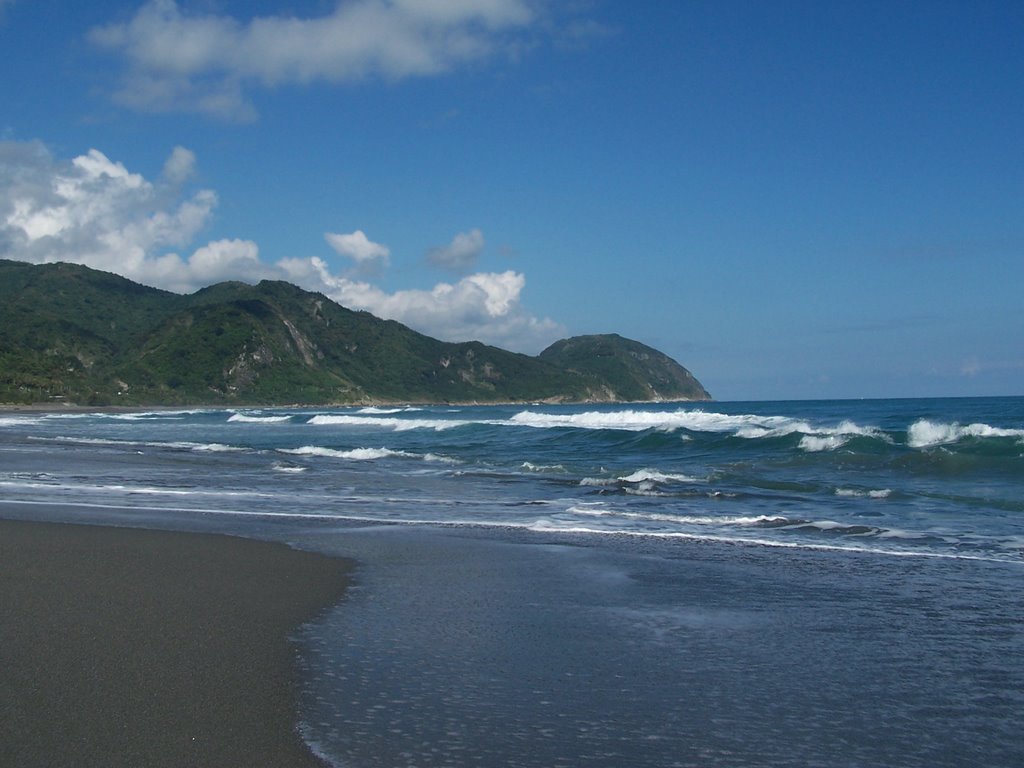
{"x":826,"y":583}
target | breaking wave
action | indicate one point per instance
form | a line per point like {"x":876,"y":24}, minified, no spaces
{"x":246,"y":418}
{"x":398,"y":425}
{"x":377,"y":410}
{"x":748,"y":426}
{"x":363,"y":454}
{"x":928,"y":434}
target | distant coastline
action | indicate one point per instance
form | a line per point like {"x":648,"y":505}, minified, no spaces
{"x":143,"y":408}
{"x":77,"y":335}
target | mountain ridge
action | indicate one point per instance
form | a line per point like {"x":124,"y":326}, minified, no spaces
{"x":69,"y":333}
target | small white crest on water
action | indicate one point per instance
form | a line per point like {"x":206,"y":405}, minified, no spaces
{"x":248,"y":418}
{"x":129,"y":415}
{"x":440,"y":459}
{"x":654,"y":476}
{"x":646,"y":488}
{"x":857,"y":493}
{"x":211,"y":447}
{"x":529,"y":466}
{"x":398,"y":425}
{"x":598,"y":481}
{"x":355,"y":454}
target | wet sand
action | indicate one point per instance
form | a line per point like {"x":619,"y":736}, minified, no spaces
{"x":124,"y":647}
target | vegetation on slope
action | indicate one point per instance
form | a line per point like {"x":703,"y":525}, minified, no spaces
{"x":630,"y":370}
{"x":71,"y":333}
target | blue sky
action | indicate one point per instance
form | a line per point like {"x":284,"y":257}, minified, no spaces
{"x":794,"y":200}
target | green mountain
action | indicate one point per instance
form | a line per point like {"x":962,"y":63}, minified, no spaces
{"x":630,"y":370}
{"x":70,"y":333}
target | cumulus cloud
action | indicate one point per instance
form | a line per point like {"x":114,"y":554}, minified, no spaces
{"x":180,"y":165}
{"x":461,"y":253}
{"x":204,"y":62}
{"x":369,"y":257}
{"x":484,"y":306}
{"x":92,"y":210}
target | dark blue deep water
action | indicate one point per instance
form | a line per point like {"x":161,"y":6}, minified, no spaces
{"x":723,"y":584}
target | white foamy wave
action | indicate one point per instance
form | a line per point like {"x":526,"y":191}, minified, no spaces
{"x":815,"y":444}
{"x":634,"y":421}
{"x":926,"y":434}
{"x":531,"y":467}
{"x":207,"y":447}
{"x":19,"y":421}
{"x":773,"y":426}
{"x":600,"y":510}
{"x":398,"y":425}
{"x":646,"y":488}
{"x":440,"y":459}
{"x":815,"y":438}
{"x":748,"y":426}
{"x":654,"y":476}
{"x":896,"y":533}
{"x":379,"y":411}
{"x":367,"y":454}
{"x":246,"y":418}
{"x":355,"y":454}
{"x":129,"y":415}
{"x":882,"y":493}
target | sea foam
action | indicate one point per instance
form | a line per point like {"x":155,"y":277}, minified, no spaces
{"x":926,"y":434}
{"x":855,"y":493}
{"x":355,"y":454}
{"x":748,"y":426}
{"x":378,"y":411}
{"x":246,"y":418}
{"x":398,"y":425}
{"x":653,"y":475}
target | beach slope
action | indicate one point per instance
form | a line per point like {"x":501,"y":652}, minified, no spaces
{"x":124,"y":647}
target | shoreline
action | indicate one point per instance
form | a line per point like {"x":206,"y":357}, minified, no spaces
{"x":126,"y":647}
{"x":76,"y":408}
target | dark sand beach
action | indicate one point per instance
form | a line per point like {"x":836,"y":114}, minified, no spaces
{"x":124,"y":647}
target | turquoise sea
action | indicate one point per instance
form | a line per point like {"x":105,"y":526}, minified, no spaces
{"x":820,"y":583}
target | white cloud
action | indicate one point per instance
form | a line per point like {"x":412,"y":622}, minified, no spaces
{"x":202,"y":62}
{"x":485,"y":306}
{"x":461,"y":253}
{"x":180,"y":165}
{"x":228,"y":260}
{"x":92,"y":210}
{"x":358,"y":247}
